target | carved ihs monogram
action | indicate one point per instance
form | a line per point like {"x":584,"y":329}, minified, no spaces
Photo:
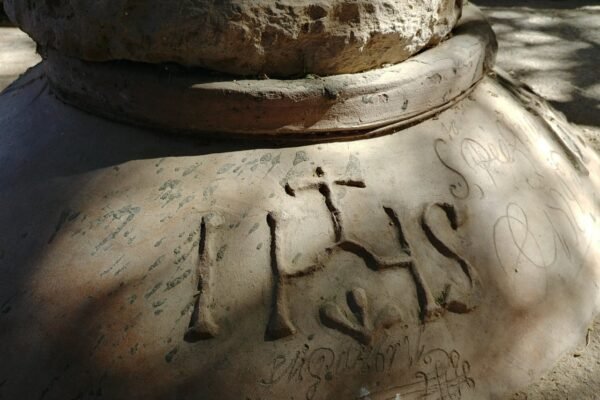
{"x":359,"y":323}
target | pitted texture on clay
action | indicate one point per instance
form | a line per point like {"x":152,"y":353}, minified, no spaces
{"x":243,"y":37}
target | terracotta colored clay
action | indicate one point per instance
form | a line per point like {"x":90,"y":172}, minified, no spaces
{"x":451,"y":256}
{"x":447,"y":258}
{"x":273,"y":37}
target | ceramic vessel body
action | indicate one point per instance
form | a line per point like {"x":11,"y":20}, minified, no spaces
{"x":456,"y":258}
{"x":446,"y":248}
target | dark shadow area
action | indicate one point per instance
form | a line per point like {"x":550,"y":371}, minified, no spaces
{"x":4,"y":21}
{"x":555,"y":49}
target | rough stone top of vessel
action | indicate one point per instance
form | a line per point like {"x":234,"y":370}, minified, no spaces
{"x":280,"y":38}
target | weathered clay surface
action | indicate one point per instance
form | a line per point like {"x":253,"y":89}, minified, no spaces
{"x":457,"y":258}
{"x":274,"y":37}
{"x":170,"y":100}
